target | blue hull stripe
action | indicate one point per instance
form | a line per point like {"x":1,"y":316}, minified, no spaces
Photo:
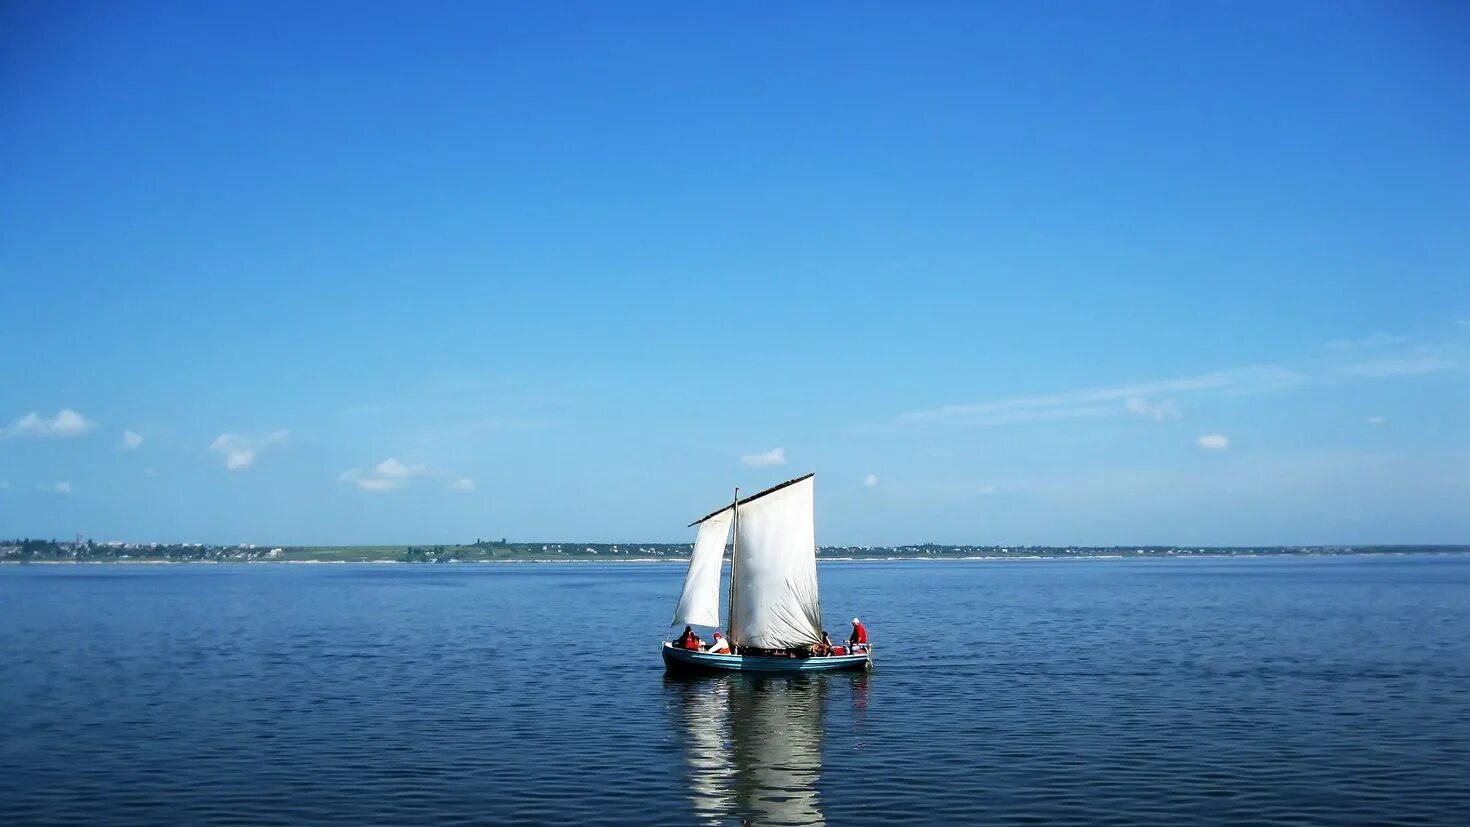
{"x":685,"y":659}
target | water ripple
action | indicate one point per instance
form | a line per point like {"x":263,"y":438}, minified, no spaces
{"x":1248,"y":692}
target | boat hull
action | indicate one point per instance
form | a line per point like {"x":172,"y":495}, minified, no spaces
{"x":683,"y":660}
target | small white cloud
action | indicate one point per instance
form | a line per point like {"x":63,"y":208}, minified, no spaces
{"x":391,"y":475}
{"x":775,"y":456}
{"x":392,"y":469}
{"x":1376,"y":420}
{"x":870,"y":480}
{"x":67,"y":423}
{"x":149,"y":472}
{"x":388,"y":475}
{"x":1158,"y":411}
{"x":987,"y":490}
{"x":241,"y":451}
{"x":63,"y":488}
{"x":1213,"y":442}
{"x":130,"y":439}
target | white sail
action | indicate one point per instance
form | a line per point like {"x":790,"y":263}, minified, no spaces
{"x":774,"y":601}
{"x":699,"y":605}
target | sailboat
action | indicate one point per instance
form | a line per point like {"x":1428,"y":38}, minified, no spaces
{"x":773,"y":601}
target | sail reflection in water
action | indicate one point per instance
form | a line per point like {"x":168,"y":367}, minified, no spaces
{"x":753,"y":745}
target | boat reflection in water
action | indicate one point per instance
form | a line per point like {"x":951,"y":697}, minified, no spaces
{"x":753,"y":745}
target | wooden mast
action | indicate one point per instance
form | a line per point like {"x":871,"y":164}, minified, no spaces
{"x":734,"y":555}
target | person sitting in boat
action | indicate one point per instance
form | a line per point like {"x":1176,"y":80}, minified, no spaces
{"x":824,"y":648}
{"x":858,"y":641}
{"x":720,"y":646}
{"x":688,"y":640}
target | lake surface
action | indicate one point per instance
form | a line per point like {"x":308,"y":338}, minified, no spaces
{"x":1280,"y":690}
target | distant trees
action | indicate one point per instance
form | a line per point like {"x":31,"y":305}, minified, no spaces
{"x":425,"y":554}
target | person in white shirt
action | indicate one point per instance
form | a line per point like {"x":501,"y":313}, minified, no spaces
{"x":720,"y":646}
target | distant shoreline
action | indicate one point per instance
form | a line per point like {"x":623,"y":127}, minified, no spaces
{"x":1396,"y":551}
{"x":82,"y":550}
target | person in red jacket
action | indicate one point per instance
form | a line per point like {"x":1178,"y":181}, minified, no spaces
{"x":859,"y":636}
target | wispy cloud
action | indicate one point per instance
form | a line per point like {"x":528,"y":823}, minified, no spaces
{"x":450,"y":410}
{"x":241,"y":451}
{"x":1373,"y":357}
{"x":1007,"y":417}
{"x":130,"y":440}
{"x":388,"y":475}
{"x":67,"y":423}
{"x":765,"y":459}
{"x":1373,"y":341}
{"x":870,"y":480}
{"x":1383,"y":356}
{"x":1416,"y":361}
{"x":1158,"y":411}
{"x":1111,"y":400}
{"x":63,"y":488}
{"x":1213,"y":442}
{"x":391,"y":475}
{"x":1376,"y":420}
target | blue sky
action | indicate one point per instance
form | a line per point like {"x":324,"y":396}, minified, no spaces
{"x":1075,"y":273}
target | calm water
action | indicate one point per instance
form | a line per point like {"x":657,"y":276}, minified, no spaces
{"x":1325,"y":691}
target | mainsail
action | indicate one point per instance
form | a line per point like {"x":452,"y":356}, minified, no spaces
{"x":773,"y":570}
{"x":773,"y":593}
{"x":699,"y":605}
